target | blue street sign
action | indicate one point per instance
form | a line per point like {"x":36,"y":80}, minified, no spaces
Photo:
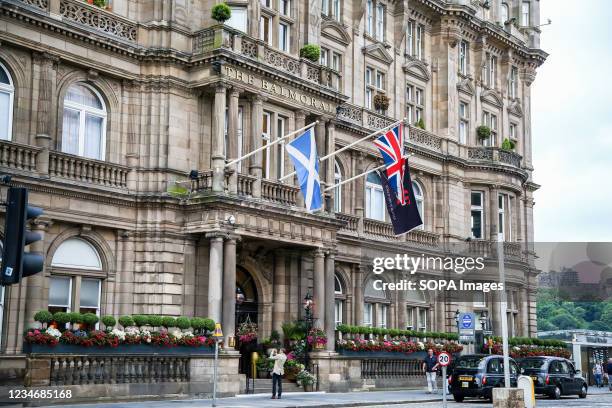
{"x":467,"y":321}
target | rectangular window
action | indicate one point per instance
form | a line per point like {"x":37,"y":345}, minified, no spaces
{"x":479,"y":299}
{"x":525,"y":14}
{"x":369,"y":17}
{"x":338,"y":311}
{"x":477,"y":214}
{"x":409,"y":38}
{"x":336,"y":9}
{"x":380,"y":22}
{"x":367,"y":314}
{"x":375,"y":204}
{"x":409,"y":318}
{"x":266,"y":3}
{"x":380,"y":80}
{"x":382,"y":315}
{"x":324,"y":56}
{"x":493,"y":73}
{"x":513,"y":85}
{"x":284,"y":6}
{"x":283,"y":37}
{"x":264,"y":29}
{"x":369,"y":85}
{"x":60,"y":294}
{"x":280,"y":132}
{"x":336,"y":62}
{"x":463,"y":57}
{"x":464,"y":123}
{"x":422,"y":323}
{"x":90,"y":296}
{"x":266,"y":139}
{"x":490,"y":120}
{"x":419,"y":41}
{"x":501,"y":215}
{"x":325,"y":7}
{"x":238,"y":19}
{"x":513,"y":132}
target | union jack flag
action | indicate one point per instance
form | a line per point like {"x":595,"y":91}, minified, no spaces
{"x":391,"y":146}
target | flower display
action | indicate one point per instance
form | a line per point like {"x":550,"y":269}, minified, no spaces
{"x":396,"y":346}
{"x":529,"y":350}
{"x":35,"y":336}
{"x":53,"y":332}
{"x":316,"y":337}
{"x":247,"y":332}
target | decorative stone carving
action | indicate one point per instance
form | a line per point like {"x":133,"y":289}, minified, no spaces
{"x":480,"y":153}
{"x":98,"y":19}
{"x":511,"y":158}
{"x":350,"y":113}
{"x":41,"y":4}
{"x":282,"y":62}
{"x":249,"y":48}
{"x":424,"y":138}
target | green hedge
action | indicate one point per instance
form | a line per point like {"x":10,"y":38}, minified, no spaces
{"x":529,"y":341}
{"x":348,"y":329}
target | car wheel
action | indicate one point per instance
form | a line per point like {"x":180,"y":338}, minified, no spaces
{"x":583,"y":392}
{"x":458,"y":398}
{"x":556,"y":394}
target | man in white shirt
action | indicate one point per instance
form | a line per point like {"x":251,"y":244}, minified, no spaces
{"x":278,"y":371}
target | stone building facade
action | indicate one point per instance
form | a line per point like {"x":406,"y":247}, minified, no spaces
{"x":105,"y":112}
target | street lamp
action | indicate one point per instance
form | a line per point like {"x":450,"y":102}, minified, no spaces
{"x":308,"y":317}
{"x":457,"y":313}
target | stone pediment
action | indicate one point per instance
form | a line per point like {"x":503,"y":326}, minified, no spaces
{"x":334,"y":30}
{"x":491,"y":97}
{"x":515,"y":109}
{"x":418,"y":69}
{"x":378,"y":52}
{"x":465,"y":85}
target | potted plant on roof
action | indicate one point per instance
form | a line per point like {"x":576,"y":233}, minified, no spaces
{"x":221,"y":12}
{"x":483,"y":132}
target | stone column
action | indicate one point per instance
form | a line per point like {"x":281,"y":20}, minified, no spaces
{"x":45,"y":66}
{"x":319,"y":287}
{"x":229,"y":289}
{"x":215,"y":276}
{"x":524,"y":313}
{"x":330,"y":320}
{"x":36,"y":283}
{"x":358,"y":274}
{"x":279,"y":291}
{"x":218,"y":138}
{"x":294,"y":298}
{"x":359,"y":190}
{"x":495,"y":314}
{"x":402,"y":314}
{"x":493,"y":213}
{"x":232,"y":137}
{"x":256,"y":142}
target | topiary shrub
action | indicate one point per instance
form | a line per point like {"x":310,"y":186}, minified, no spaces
{"x":209,"y":324}
{"x":109,"y":322}
{"x":183,"y":322}
{"x":197,"y":323}
{"x":420,"y":124}
{"x":61,"y":318}
{"x":311,"y":52}
{"x":168,"y":322}
{"x":126,"y":321}
{"x":508,"y":144}
{"x":99,"y":3}
{"x":141,"y":320}
{"x":90,"y":319}
{"x":43,"y":317}
{"x":221,"y":12}
{"x":155,"y":321}
{"x":75,"y":317}
{"x":483,"y":132}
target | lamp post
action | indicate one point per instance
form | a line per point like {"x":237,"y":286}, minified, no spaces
{"x":308,"y":317}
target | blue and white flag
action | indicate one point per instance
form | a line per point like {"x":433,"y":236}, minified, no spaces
{"x":303,"y":153}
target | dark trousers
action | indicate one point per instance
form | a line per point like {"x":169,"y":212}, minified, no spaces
{"x":277,"y":379}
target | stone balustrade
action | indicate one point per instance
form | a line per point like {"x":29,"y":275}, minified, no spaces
{"x":423,"y":238}
{"x":486,"y":248}
{"x":390,"y":368}
{"x":99,"y":19}
{"x":18,"y":156}
{"x":360,"y":116}
{"x":277,"y":192}
{"x":352,"y":222}
{"x":495,"y":155}
{"x":81,"y":169}
{"x":220,"y":36}
{"x":41,"y":4}
{"x":424,"y":138}
{"x":245,"y":184}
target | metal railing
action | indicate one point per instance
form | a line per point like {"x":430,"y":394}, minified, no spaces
{"x":389,"y":368}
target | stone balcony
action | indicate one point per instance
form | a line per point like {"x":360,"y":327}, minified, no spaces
{"x":223,"y":37}
{"x":494,"y":155}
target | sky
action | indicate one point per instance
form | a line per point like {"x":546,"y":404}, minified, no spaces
{"x":572,"y":123}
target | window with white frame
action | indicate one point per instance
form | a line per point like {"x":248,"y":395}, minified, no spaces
{"x":60,"y":294}
{"x":463,"y":57}
{"x":265,"y":29}
{"x":383,"y":310}
{"x":266,"y":136}
{"x":477,"y":214}
{"x":514,"y":132}
{"x":339,"y":300}
{"x":422,"y":320}
{"x":367,"y":314}
{"x":76,"y":253}
{"x":415,"y":103}
{"x":479,"y":299}
{"x":409,"y":104}
{"x":410,"y":313}
{"x":375,"y":19}
{"x":338,"y":188}
{"x":283,"y":37}
{"x":525,"y":11}
{"x":417,"y":309}
{"x":284,"y":7}
{"x":281,"y":123}
{"x":375,"y":201}
{"x":238,"y":19}
{"x":84,"y":122}
{"x":369,"y":17}
{"x":376,"y":300}
{"x":505,"y":13}
{"x":464,"y":121}
{"x":490,"y":70}
{"x":7,"y":92}
{"x":375,"y":82}
{"x":325,"y":7}
{"x":324,"y":57}
{"x":419,"y":41}
{"x":336,"y":61}
{"x":490,"y":120}
{"x":90,"y":296}
{"x":414,"y":39}
{"x":336,"y":10}
{"x":501,"y":215}
{"x":513,"y":82}
{"x":418,"y":197}
{"x":266,"y":3}
{"x":410,"y":38}
{"x":380,"y":21}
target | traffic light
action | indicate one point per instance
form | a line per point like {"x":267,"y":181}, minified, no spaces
{"x":16,"y":263}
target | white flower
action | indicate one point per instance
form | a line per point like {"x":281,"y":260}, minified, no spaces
{"x":421,"y":345}
{"x":132,"y":331}
{"x":53,"y":332}
{"x":119,"y":333}
{"x":176,"y":333}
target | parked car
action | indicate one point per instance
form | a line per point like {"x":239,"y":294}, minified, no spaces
{"x":475,"y":375}
{"x":554,"y":376}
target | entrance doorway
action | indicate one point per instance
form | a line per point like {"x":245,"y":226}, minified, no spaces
{"x":246,"y":311}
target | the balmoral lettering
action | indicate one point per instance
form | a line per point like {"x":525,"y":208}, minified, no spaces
{"x":279,"y":90}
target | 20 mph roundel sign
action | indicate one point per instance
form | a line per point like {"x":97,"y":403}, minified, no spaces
{"x":444,"y":359}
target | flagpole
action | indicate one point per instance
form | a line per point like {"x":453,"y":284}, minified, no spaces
{"x":267,"y":145}
{"x":348,"y":146}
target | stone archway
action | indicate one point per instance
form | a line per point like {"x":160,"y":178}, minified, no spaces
{"x":246,"y":311}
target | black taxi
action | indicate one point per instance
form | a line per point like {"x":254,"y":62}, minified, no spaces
{"x":554,"y":376}
{"x":475,"y":375}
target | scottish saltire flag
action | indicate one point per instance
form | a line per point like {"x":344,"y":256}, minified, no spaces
{"x":391,"y":146}
{"x":404,"y":216}
{"x":303,"y":153}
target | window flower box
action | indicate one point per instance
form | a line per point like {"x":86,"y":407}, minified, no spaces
{"x":32,"y":348}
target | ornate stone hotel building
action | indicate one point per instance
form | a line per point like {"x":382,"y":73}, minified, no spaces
{"x":104,"y":112}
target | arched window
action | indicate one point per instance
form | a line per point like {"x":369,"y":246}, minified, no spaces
{"x":376,"y":305}
{"x":75,"y":282}
{"x":340,"y":296}
{"x":418,"y":196}
{"x":337,"y":189}
{"x":505,"y":14}
{"x":84,"y":128}
{"x":7,"y":91}
{"x":417,"y":310}
{"x":375,"y":201}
